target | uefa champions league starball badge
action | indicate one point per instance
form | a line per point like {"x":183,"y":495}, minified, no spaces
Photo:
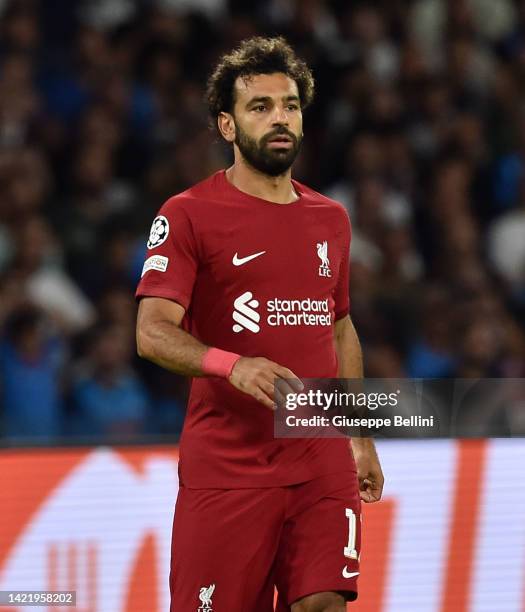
{"x":160,"y":228}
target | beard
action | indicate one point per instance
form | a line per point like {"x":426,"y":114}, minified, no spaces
{"x":267,"y":160}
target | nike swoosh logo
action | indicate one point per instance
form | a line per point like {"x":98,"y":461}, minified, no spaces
{"x":239,"y":261}
{"x":347,"y":574}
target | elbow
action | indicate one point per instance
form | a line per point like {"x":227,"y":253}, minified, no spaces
{"x":144,"y":344}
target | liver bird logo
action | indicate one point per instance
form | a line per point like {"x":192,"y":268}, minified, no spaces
{"x":205,"y":595}
{"x":322,"y":252}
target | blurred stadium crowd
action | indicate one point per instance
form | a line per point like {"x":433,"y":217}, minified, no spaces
{"x":418,"y":129}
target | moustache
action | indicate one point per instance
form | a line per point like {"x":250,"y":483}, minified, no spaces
{"x":280,"y":132}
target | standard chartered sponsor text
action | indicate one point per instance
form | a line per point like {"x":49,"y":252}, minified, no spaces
{"x":298,"y":312}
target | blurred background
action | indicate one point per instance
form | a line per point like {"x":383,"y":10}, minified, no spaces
{"x":418,"y":128}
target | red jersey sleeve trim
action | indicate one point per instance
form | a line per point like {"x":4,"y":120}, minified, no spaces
{"x":342,"y":313}
{"x":168,"y":294}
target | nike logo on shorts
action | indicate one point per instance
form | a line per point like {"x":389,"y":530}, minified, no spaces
{"x":347,"y":574}
{"x":239,"y":261}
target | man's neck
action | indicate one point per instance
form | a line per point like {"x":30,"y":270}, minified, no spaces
{"x":278,"y":189}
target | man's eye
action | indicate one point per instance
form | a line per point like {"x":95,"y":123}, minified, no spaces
{"x":259,"y":107}
{"x":293,"y":107}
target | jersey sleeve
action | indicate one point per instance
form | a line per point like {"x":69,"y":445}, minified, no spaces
{"x":342,"y":289}
{"x":171,"y":262}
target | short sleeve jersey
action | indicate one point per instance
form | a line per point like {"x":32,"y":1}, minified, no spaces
{"x":263,"y":280}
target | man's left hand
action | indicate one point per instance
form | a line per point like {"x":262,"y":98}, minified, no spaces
{"x":369,"y":472}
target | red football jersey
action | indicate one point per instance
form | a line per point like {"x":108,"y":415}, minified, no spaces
{"x":263,"y":280}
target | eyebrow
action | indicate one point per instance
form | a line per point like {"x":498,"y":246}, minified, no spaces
{"x":289,"y":98}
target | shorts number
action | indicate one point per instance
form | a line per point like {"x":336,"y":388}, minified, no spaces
{"x":349,"y":551}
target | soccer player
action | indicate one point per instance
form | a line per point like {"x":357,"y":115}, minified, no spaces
{"x":229,"y":261}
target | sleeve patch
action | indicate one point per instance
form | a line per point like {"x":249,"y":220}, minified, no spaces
{"x":155,"y":262}
{"x":160,"y":229}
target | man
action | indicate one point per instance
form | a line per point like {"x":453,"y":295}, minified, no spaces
{"x":226,"y":258}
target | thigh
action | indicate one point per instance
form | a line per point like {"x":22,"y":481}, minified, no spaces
{"x":321,"y":539}
{"x":223,"y":549}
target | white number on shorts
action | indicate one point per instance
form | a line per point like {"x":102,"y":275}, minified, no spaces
{"x":349,"y":551}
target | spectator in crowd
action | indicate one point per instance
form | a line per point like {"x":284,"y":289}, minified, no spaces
{"x":108,"y":397}
{"x":32,"y":358}
{"x":431,"y":352}
{"x":506,"y":246}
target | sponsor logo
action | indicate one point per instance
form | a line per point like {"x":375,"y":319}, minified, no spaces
{"x":239,"y":261}
{"x":279,"y":312}
{"x":205,"y":595}
{"x":244,"y":313}
{"x":160,"y":229}
{"x":347,"y":574}
{"x":322,"y":253}
{"x":155,"y":262}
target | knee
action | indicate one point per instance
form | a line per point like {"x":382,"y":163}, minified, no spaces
{"x":320,"y":602}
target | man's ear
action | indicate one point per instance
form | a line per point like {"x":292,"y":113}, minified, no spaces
{"x":226,"y":126}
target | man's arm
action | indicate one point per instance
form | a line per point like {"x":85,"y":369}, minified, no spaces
{"x":161,"y":340}
{"x":350,"y":359}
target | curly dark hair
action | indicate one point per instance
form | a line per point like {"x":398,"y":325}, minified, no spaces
{"x":256,"y":55}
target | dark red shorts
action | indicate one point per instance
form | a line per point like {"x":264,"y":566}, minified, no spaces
{"x":231,"y":547}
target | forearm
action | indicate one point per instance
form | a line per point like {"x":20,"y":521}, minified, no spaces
{"x":172,"y":348}
{"x":348,"y":348}
{"x":350,"y":359}
{"x":364,"y":446}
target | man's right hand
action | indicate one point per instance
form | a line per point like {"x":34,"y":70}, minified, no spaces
{"x":256,"y":376}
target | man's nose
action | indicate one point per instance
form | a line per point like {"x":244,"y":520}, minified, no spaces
{"x":279,"y":116}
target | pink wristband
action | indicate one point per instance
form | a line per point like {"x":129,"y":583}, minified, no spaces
{"x":217,"y":362}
